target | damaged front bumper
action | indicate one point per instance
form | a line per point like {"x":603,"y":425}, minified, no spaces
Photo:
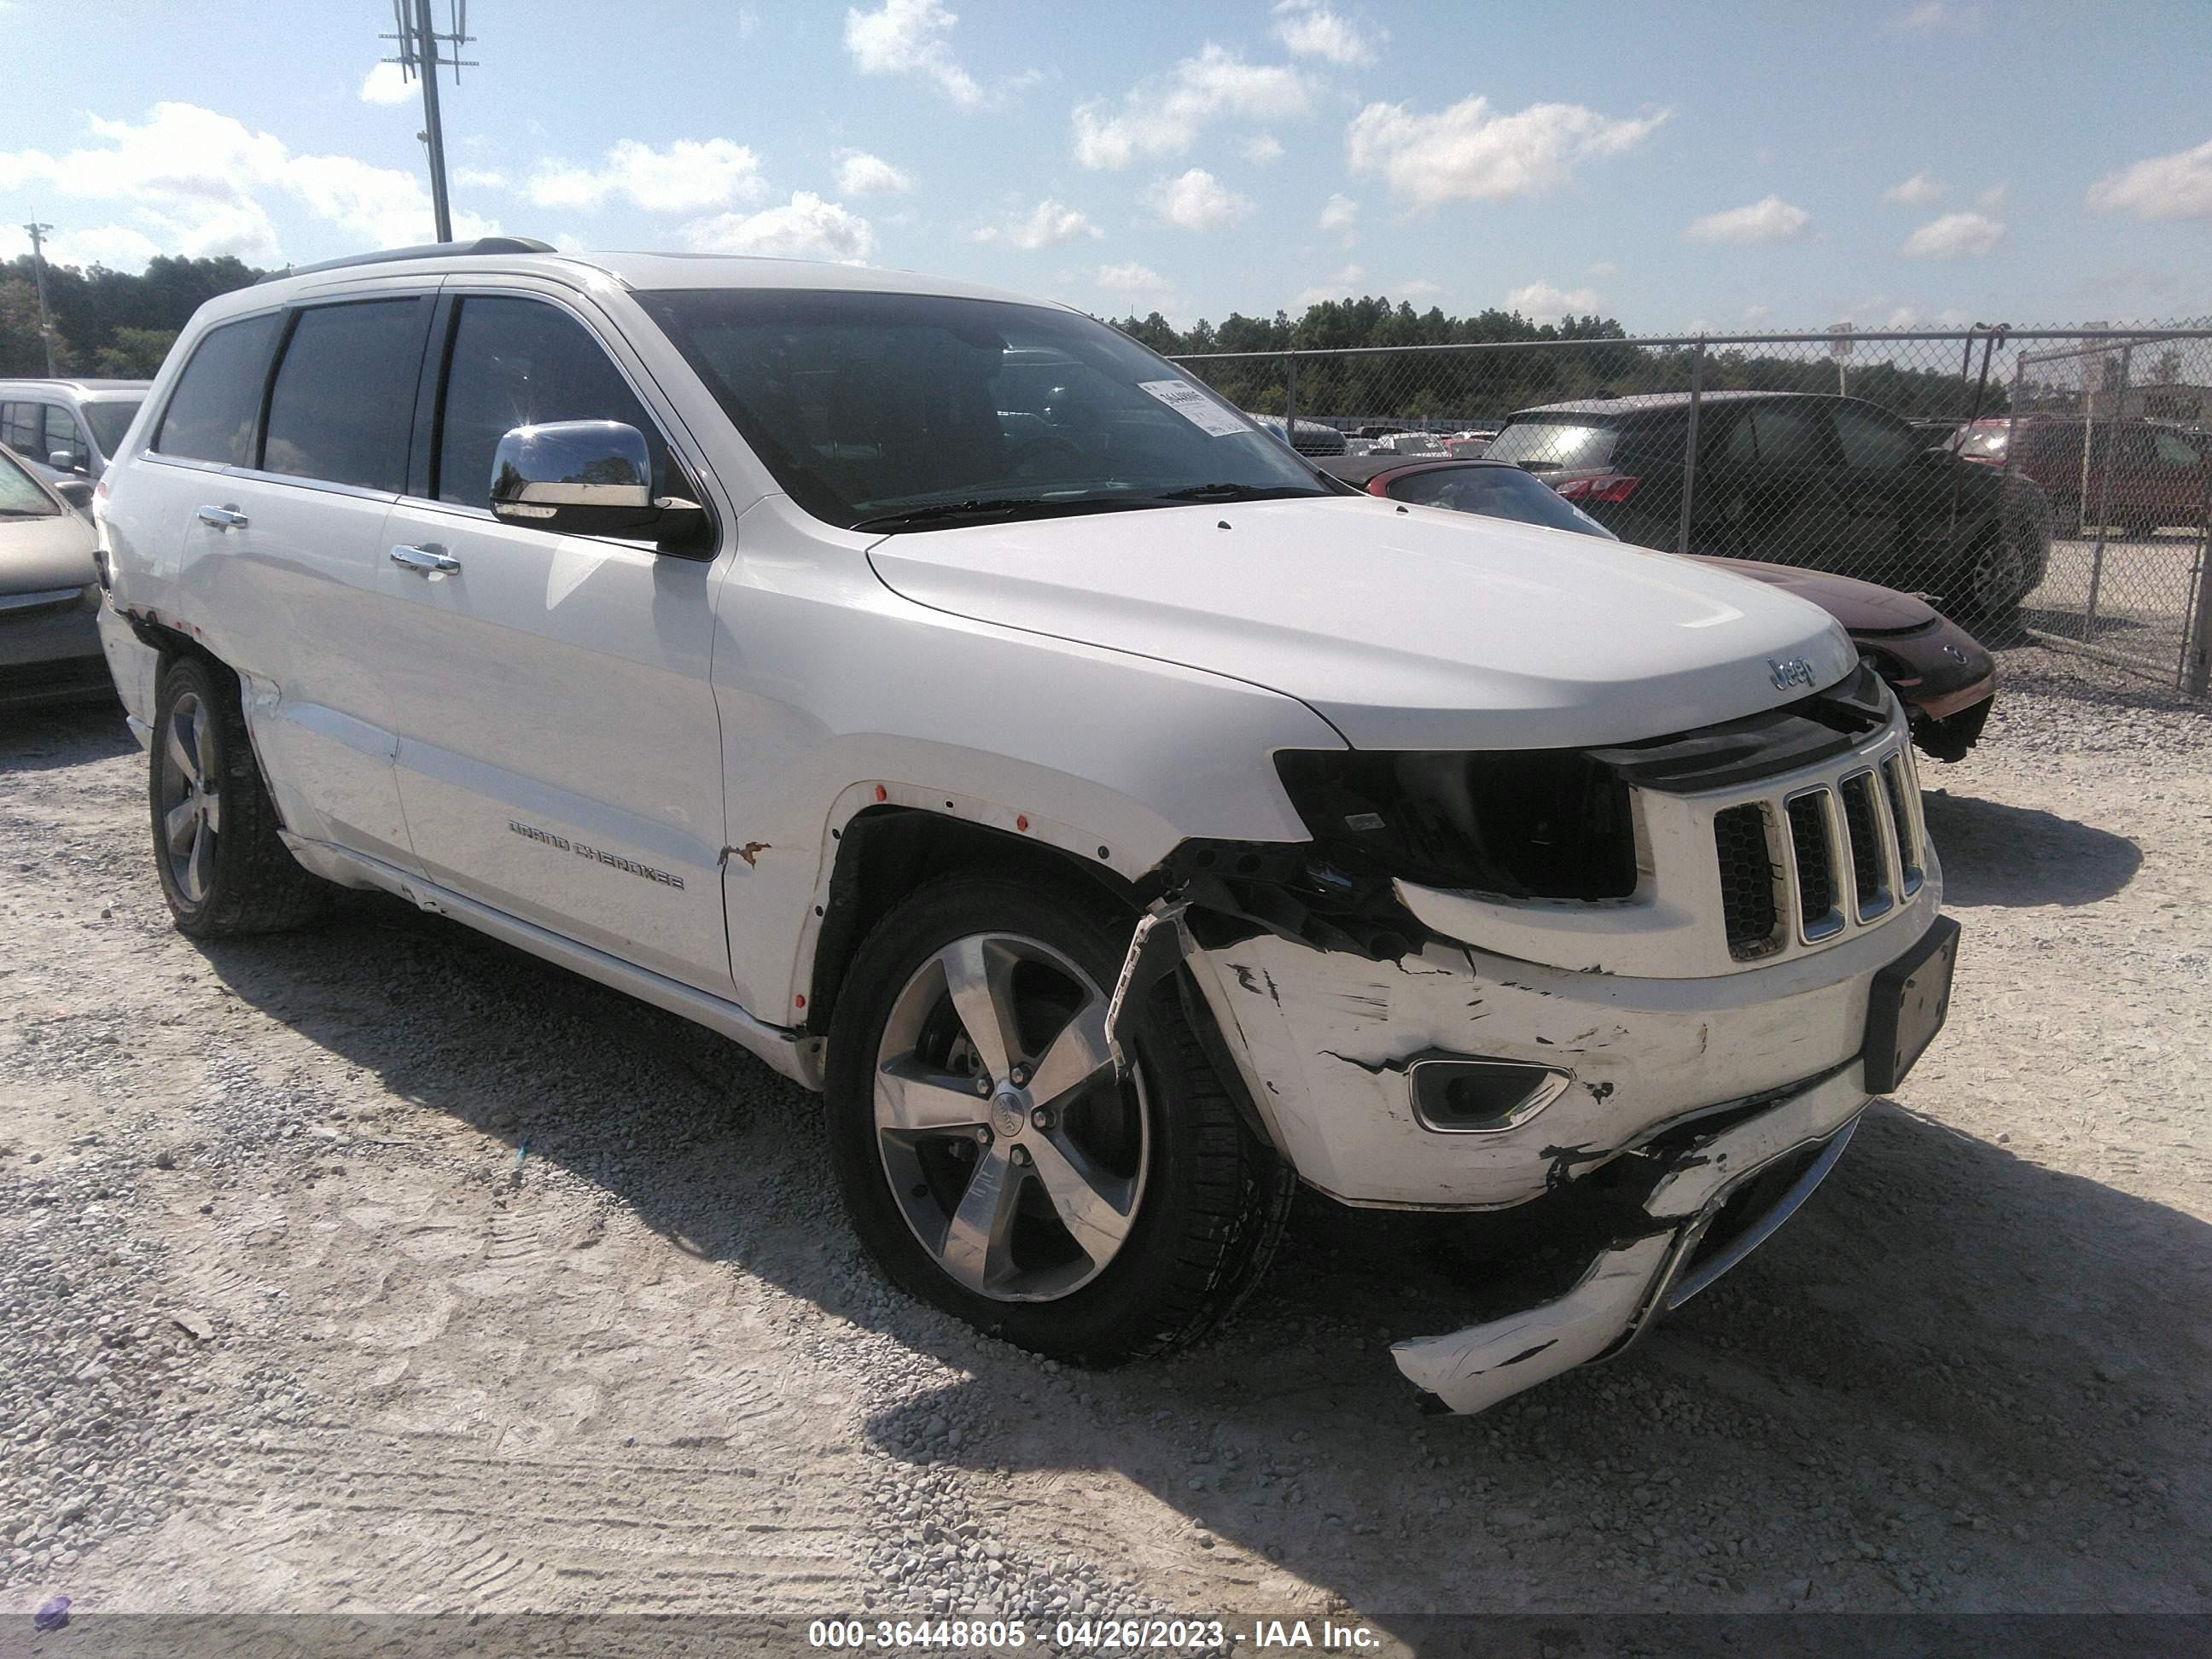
{"x":1705,"y":1212}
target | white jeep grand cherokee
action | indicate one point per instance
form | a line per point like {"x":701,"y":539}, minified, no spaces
{"x":984,"y":724}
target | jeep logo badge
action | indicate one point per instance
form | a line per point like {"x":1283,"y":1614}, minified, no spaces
{"x":1790,"y":670}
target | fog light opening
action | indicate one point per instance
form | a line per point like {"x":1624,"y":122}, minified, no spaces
{"x":1455,"y":1095}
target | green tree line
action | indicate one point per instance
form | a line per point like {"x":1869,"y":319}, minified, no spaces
{"x":109,"y":324}
{"x":1482,"y":387}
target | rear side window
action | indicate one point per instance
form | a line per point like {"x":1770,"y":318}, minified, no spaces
{"x":520,"y":362}
{"x":1544,"y":445}
{"x":1788,"y":435}
{"x":19,"y":429}
{"x":1870,"y":443}
{"x":344,"y":396}
{"x":211,"y":415}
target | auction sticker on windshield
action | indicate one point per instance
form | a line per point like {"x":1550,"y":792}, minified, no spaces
{"x":1194,"y":406}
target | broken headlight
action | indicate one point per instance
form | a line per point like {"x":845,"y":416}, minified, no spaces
{"x":1535,"y":824}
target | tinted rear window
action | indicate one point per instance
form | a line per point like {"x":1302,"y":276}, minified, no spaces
{"x":1545,"y":445}
{"x":1496,"y":492}
{"x":109,"y":422}
{"x":210,"y":417}
{"x":344,"y":396}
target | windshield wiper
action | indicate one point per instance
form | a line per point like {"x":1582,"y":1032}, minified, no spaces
{"x":1232,"y":492}
{"x":936,"y":512}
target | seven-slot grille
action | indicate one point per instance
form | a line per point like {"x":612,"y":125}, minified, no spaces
{"x":1841,"y":852}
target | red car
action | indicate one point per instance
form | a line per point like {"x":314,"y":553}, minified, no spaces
{"x":2138,"y":474}
{"x":1941,"y":674}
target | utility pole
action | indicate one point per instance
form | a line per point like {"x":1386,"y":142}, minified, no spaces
{"x":38,"y":233}
{"x":419,"y":54}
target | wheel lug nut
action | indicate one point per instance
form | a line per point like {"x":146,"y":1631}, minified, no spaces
{"x":1021,"y":1154}
{"x":982,"y":1085}
{"x":1041,"y":1118}
{"x":1020,"y":1076}
{"x":983,"y":1136}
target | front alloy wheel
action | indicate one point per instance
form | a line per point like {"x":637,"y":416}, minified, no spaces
{"x":1015,"y":1155}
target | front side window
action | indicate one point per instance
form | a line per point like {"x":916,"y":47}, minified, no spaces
{"x":110,"y":421}
{"x":521,"y":362}
{"x":211,"y":415}
{"x":20,"y":494}
{"x":62,"y":433}
{"x":1496,"y":492}
{"x":1871,"y":444}
{"x":344,"y":396}
{"x":900,"y":412}
{"x":1788,"y":435}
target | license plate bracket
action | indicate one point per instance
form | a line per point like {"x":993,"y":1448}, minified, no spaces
{"x":1907,"y":1007}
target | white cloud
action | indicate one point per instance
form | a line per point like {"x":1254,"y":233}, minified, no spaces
{"x":1161,"y":116}
{"x":1470,"y":152}
{"x":1338,"y":287}
{"x":200,"y":184}
{"x":1932,"y":15}
{"x":911,"y":37}
{"x":1262,"y":148}
{"x":385,"y":84}
{"x":805,"y":227}
{"x":1917,"y":192}
{"x":480,"y":178}
{"x":1769,"y":219}
{"x":1952,"y":236}
{"x":1337,"y":213}
{"x":1994,"y":196}
{"x":1605,"y":268}
{"x":859,"y":173}
{"x":690,"y":175}
{"x":1310,"y":29}
{"x":1132,"y":278}
{"x":1195,"y":200}
{"x":1903,"y":317}
{"x":1754,"y":315}
{"x":2176,"y":186}
{"x":1417,"y":288}
{"x":1541,"y":302}
{"x":1046,"y":223}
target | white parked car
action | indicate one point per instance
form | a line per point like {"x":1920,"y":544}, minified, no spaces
{"x":1117,"y":821}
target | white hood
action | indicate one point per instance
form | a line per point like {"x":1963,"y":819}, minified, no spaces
{"x":1415,"y":630}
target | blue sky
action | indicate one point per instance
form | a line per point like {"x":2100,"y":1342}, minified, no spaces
{"x":1914,"y":162}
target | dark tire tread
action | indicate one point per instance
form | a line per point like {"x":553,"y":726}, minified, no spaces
{"x":259,"y":887}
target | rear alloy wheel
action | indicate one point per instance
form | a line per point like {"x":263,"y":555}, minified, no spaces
{"x":1996,"y":581}
{"x":224,"y":869}
{"x":994,"y":1160}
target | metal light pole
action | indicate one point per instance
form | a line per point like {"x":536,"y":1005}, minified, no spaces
{"x":39,"y":271}
{"x":419,"y":54}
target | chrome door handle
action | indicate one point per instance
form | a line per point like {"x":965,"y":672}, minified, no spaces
{"x":427,"y":560}
{"x":223,"y":518}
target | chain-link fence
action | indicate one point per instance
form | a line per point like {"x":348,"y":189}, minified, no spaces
{"x":2035,"y":484}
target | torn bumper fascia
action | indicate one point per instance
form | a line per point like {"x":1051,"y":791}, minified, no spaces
{"x":1626,"y":1287}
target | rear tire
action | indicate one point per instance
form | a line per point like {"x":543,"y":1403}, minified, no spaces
{"x":223,"y":867}
{"x":1995,"y":581}
{"x":1092,"y":1219}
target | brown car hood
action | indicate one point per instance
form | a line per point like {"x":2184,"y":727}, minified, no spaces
{"x":1862,"y":607}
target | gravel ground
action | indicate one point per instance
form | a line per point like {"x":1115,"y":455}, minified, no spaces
{"x":383,"y":1269}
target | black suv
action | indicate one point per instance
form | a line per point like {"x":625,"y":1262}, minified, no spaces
{"x":1828,"y":482}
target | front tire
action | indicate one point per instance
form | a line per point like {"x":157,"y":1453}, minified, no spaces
{"x":993,"y":1163}
{"x":224,"y":868}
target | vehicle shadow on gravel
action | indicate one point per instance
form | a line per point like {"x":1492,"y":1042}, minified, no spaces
{"x":1994,"y":854}
{"x":1948,"y":1345}
{"x":52,"y":737}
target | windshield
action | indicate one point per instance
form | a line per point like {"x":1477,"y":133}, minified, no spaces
{"x":1546,"y":445}
{"x":20,"y":494}
{"x":1497,"y":492}
{"x":898,"y":412}
{"x":109,"y":422}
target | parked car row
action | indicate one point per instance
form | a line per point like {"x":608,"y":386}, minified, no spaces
{"x":49,"y":590}
{"x":2134,"y":475}
{"x":68,"y":428}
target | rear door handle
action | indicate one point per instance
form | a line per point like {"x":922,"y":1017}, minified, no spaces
{"x":223,"y":518}
{"x":427,"y":560}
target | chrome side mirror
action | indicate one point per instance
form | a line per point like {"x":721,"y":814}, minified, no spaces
{"x":65,"y":460}
{"x":582,"y":477}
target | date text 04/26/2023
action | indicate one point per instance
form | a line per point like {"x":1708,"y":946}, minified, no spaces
{"x":1088,"y":1635}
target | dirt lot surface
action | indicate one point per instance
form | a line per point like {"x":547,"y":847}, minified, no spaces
{"x":382,"y":1269}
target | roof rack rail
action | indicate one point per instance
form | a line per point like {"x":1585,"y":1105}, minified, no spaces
{"x":424,"y":251}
